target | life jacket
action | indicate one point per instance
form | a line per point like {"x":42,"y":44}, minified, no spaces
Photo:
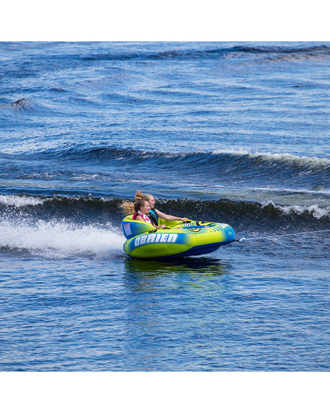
{"x":144,"y":216}
{"x":153,"y":216}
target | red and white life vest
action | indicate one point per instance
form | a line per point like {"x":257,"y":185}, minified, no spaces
{"x":144,"y":216}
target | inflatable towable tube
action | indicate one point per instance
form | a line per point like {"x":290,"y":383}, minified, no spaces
{"x":179,"y":239}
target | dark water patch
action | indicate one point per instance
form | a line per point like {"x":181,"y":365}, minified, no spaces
{"x":36,"y":110}
{"x":58,"y":90}
{"x":22,"y":104}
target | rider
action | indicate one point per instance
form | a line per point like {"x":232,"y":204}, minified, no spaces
{"x":154,"y":213}
{"x":141,"y":209}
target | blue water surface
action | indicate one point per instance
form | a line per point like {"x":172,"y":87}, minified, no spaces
{"x":227,"y":132}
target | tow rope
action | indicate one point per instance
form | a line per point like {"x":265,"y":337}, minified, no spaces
{"x":283,"y":235}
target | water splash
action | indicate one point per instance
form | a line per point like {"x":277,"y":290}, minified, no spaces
{"x":60,"y":239}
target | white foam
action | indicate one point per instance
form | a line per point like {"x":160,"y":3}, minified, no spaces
{"x":235,"y":151}
{"x":315,"y":210}
{"x":282,"y":157}
{"x":55,"y":239}
{"x":288,"y":157}
{"x":20,"y":201}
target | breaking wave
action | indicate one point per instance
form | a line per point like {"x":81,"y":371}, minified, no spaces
{"x":100,"y":212}
{"x":314,"y":211}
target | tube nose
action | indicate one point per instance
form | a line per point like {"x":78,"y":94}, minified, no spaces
{"x":230,"y":233}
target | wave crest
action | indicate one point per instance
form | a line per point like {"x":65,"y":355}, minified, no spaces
{"x":315,"y":211}
{"x":19,"y":201}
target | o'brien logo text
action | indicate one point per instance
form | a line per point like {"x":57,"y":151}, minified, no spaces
{"x":155,"y":238}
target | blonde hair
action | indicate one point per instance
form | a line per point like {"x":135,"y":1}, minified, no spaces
{"x":139,"y":195}
{"x":129,"y":208}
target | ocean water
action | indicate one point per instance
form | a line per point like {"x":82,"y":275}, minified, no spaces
{"x":225,"y":132}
